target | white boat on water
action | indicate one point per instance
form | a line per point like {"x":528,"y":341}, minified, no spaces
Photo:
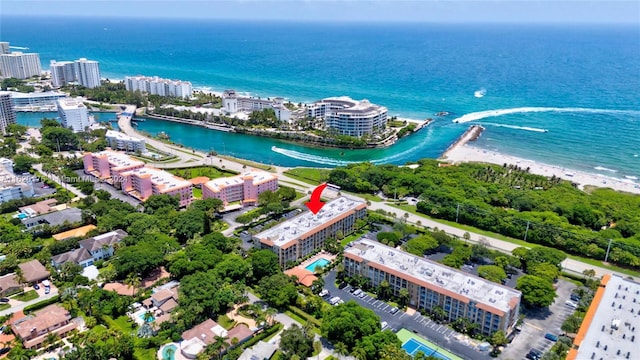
{"x":480,"y":93}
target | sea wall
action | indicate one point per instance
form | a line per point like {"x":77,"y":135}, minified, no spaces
{"x":472,"y":134}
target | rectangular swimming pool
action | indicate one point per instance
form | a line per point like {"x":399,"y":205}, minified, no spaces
{"x":413,"y":346}
{"x":318,"y":263}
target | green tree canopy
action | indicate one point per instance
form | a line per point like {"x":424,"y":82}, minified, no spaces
{"x":421,"y":244}
{"x":277,"y":290}
{"x":536,"y":291}
{"x":348,"y":323}
{"x":295,"y":341}
{"x":492,"y":273}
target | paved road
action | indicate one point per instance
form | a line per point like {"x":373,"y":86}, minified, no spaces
{"x":19,"y":307}
{"x":55,"y":178}
{"x":199,"y":158}
{"x":441,"y":335}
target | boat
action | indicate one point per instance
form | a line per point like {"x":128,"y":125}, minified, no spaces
{"x":163,"y":135}
{"x":442,"y":113}
{"x":480,"y":93}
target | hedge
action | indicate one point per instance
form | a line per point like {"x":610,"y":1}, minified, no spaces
{"x":296,"y":310}
{"x":263,"y":335}
{"x":41,"y":304}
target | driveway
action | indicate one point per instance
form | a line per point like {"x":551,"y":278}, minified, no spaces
{"x":440,"y":335}
{"x":539,"y":322}
{"x":18,"y":307}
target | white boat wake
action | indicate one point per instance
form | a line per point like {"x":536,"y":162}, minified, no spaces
{"x":337,"y":162}
{"x":493,"y":113}
{"x":480,"y":93}
{"x":527,"y":128}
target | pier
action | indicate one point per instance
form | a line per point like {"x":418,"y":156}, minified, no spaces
{"x":472,"y":134}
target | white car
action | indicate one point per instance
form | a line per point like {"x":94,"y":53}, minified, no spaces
{"x":324,"y":293}
{"x":384,"y":325}
{"x":571,"y":304}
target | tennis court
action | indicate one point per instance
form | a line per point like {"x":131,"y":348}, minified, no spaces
{"x":412,"y":344}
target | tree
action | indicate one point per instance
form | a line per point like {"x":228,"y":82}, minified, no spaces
{"x":210,"y":300}
{"x":498,"y":338}
{"x":341,"y":349}
{"x":189,"y":223}
{"x":376,"y":344}
{"x":264,"y":263}
{"x":295,"y":341}
{"x":349,"y":322}
{"x":421,"y":244}
{"x":536,"y":291}
{"x":156,"y":202}
{"x":59,"y":138}
{"x":492,"y":273}
{"x":546,"y":271}
{"x":277,"y":290}
{"x":22,"y":163}
{"x":543,"y":254}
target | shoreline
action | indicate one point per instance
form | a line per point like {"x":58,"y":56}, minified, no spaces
{"x":468,"y":153}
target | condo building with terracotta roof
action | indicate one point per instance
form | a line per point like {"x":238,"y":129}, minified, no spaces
{"x":303,"y":234}
{"x":146,"y":181}
{"x":492,"y":306}
{"x":244,"y":188}
{"x":612,"y":324}
{"x":108,"y":165}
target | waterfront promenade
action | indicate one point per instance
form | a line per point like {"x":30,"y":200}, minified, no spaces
{"x":189,"y":158}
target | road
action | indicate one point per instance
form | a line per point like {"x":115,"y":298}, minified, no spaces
{"x":55,"y":178}
{"x":19,"y":307}
{"x":199,"y":158}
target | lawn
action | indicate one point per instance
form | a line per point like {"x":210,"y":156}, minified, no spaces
{"x":225,"y":322}
{"x":197,"y":193}
{"x":29,"y":295}
{"x":248,"y":163}
{"x":356,"y":235}
{"x":594,"y":262}
{"x":122,"y":323}
{"x":309,"y":175}
{"x":208,"y":171}
{"x":4,"y":306}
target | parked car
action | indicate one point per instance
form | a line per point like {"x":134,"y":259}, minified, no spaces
{"x":571,"y":304}
{"x":36,"y":286}
{"x":550,"y":336}
{"x":47,"y":290}
{"x":362,"y":295}
{"x":357,"y":292}
{"x":334,"y":300}
{"x":342,"y":285}
{"x":4,"y":300}
{"x":534,"y":354}
{"x":383,"y":325}
{"x":575,"y":297}
{"x":393,"y":310}
{"x":324,"y":293}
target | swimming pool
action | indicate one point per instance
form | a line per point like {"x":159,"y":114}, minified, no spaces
{"x":320,"y":262}
{"x":413,"y":346}
{"x":168,"y":353}
{"x":141,"y":317}
{"x":22,"y":216}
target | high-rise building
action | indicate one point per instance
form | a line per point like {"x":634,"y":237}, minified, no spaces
{"x":19,"y":65}
{"x":84,"y":72}
{"x":4,"y":47}
{"x":62,"y":72}
{"x":158,"y":86}
{"x":73,"y":114}
{"x":233,"y":103}
{"x":87,"y":72}
{"x":244,"y":188}
{"x":349,"y":117}
{"x":7,"y":111}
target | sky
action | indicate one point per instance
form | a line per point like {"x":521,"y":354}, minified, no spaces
{"x":434,"y":11}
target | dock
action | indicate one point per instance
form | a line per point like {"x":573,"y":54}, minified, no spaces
{"x":472,"y":134}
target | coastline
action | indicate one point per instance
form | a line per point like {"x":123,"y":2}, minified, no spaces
{"x":468,"y":153}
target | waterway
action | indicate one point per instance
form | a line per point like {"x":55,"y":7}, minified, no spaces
{"x":429,"y":142}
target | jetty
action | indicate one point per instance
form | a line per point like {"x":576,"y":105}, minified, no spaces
{"x":472,"y":134}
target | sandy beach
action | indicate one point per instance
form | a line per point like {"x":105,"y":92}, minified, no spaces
{"x":466,"y":153}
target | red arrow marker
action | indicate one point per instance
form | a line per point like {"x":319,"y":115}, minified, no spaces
{"x":314,"y":204}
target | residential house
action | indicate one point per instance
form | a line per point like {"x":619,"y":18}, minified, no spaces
{"x":163,"y":302}
{"x":33,"y":329}
{"x":207,"y":332}
{"x":9,"y":284}
{"x":91,"y":250}
{"x":67,"y":216}
{"x":33,"y":271}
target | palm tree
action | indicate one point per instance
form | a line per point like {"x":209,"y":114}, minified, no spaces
{"x":404,"y":296}
{"x":134,"y":281}
{"x":383,"y":289}
{"x":270,"y":314}
{"x":51,"y":339}
{"x":147,"y":317}
{"x":341,"y":349}
{"x":219,"y":344}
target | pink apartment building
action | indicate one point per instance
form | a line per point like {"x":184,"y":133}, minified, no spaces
{"x":245,"y":187}
{"x":109,"y":165}
{"x":143,"y":182}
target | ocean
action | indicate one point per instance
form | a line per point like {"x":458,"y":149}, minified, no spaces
{"x":563,"y":95}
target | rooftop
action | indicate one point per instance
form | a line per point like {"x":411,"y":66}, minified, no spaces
{"x":292,"y":229}
{"x":70,"y":215}
{"x":33,"y":271}
{"x":165,"y":181}
{"x":121,"y":136}
{"x":70,"y":103}
{"x":345,"y":104}
{"x":75,"y":256}
{"x":34,"y":95}
{"x":41,"y":320}
{"x":612,"y":323}
{"x":100,"y":241}
{"x":205,"y":332}
{"x":258,"y":176}
{"x":118,"y":159}
{"x":432,"y":273}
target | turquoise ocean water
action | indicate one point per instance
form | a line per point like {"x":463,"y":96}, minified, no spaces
{"x":580,"y":83}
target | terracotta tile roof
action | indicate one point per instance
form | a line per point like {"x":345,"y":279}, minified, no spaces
{"x":240,"y":332}
{"x":199,"y":180}
{"x":305,"y":277}
{"x":120,"y":289}
{"x":77,"y":232}
{"x":33,"y":271}
{"x":205,"y":331}
{"x":162,"y":295}
{"x":50,"y":316}
{"x":8,"y":282}
{"x":169,"y":305}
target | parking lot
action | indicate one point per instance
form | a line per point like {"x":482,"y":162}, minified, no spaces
{"x":440,"y":335}
{"x":538,"y":323}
